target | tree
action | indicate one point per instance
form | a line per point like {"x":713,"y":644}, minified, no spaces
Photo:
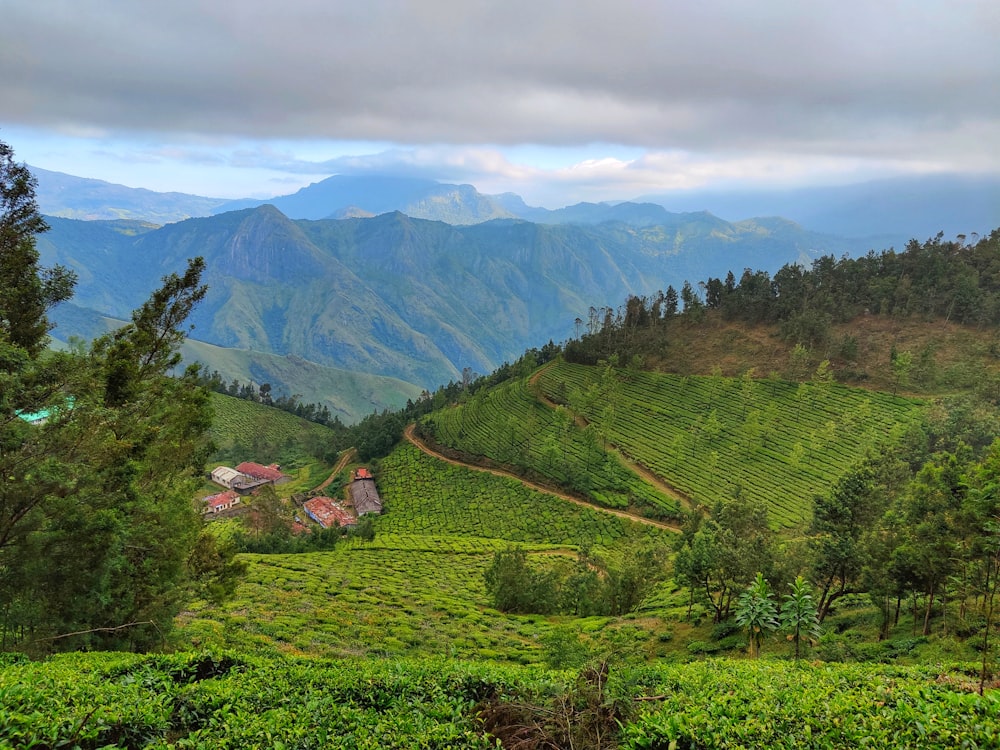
{"x":97,"y":526}
{"x":27,"y":290}
{"x":757,"y":612}
{"x":798,"y":613}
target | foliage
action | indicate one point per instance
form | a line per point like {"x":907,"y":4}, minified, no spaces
{"x":235,"y":699}
{"x":96,"y":523}
{"x":589,"y":587}
{"x":757,"y":612}
{"x":775,"y":442}
{"x":774,"y":704}
{"x":798,"y":613}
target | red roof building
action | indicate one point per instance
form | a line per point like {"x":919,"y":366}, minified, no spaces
{"x":268,"y":473}
{"x":222,"y":501}
{"x":328,"y":513}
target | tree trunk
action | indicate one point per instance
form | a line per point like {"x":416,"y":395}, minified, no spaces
{"x":927,"y":613}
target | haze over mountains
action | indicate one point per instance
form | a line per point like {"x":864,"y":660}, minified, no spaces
{"x":421,"y":281}
{"x":889,"y":211}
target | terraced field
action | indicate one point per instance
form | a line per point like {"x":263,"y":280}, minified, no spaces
{"x":510,"y":426}
{"x":710,"y":437}
{"x":418,"y":588}
{"x":426,"y":496}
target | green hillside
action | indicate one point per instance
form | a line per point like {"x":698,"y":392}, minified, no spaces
{"x":349,"y":395}
{"x":776,"y":442}
{"x":247,"y":431}
{"x":509,"y":425}
{"x":417,"y":589}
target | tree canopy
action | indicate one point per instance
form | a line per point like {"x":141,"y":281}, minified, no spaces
{"x":100,"y":452}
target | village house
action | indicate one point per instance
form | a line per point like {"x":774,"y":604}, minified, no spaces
{"x":257,"y":471}
{"x":228,"y":477}
{"x":328,"y":513}
{"x":364,"y":496}
{"x":223,"y":501}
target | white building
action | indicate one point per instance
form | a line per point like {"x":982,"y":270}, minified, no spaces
{"x":227,"y":477}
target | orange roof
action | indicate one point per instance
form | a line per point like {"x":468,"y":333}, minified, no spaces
{"x":327,"y":513}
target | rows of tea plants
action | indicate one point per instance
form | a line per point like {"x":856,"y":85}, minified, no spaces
{"x":426,"y":496}
{"x":778,"y":442}
{"x":247,"y":431}
{"x":227,"y":699}
{"x":733,"y":704}
{"x":510,"y":426}
{"x":401,"y":595}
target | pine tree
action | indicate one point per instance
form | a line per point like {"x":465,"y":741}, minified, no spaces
{"x":100,"y":453}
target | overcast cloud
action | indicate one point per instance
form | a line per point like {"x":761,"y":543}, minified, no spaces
{"x":575,"y":95}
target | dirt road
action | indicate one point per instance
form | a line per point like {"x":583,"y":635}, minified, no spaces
{"x":345,"y":458}
{"x":409,"y":434}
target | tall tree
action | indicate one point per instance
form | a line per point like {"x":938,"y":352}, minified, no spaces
{"x":100,"y":453}
{"x":798,"y":613}
{"x":757,"y":612}
{"x":28,"y":290}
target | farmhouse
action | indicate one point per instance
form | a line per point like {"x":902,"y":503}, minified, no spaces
{"x":222,"y":501}
{"x":328,"y":513}
{"x":257,"y":471}
{"x":364,"y":496}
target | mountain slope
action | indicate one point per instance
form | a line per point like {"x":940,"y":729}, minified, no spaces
{"x":407,"y":298}
{"x":72,"y":197}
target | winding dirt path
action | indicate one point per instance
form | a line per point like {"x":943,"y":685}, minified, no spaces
{"x":345,"y":458}
{"x":410,"y":434}
{"x":630,"y":464}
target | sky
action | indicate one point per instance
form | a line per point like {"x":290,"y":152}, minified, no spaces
{"x":557,"y":100}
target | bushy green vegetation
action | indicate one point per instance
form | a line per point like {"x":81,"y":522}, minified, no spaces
{"x":232,"y":700}
{"x":760,"y":704}
{"x":399,"y":595}
{"x":509,"y":425}
{"x":776,"y":442}
{"x":424,"y":495}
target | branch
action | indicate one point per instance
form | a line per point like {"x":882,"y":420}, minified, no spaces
{"x":163,"y":640}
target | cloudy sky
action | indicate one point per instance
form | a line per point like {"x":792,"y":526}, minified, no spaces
{"x":557,"y":100}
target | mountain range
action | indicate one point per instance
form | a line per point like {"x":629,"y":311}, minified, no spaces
{"x":399,"y":297}
{"x":885,"y":212}
{"x":338,"y":295}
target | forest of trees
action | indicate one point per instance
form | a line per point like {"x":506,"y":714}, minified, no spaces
{"x":99,"y":542}
{"x":953,"y":281}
